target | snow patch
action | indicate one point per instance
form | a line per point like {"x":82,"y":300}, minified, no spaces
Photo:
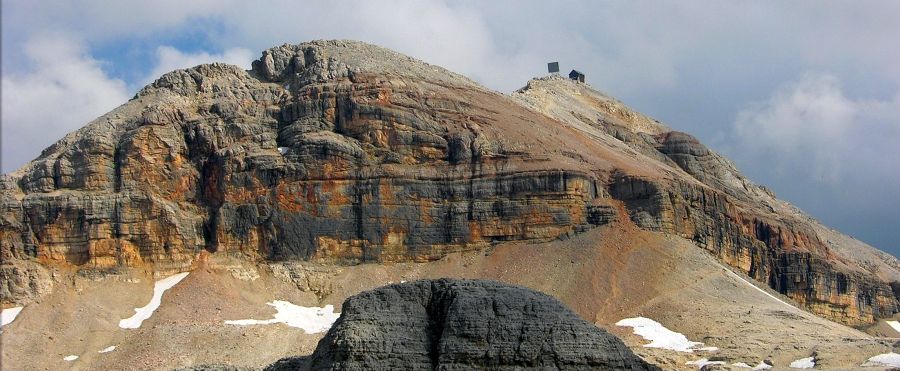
{"x":808,"y":362}
{"x":661,"y":337}
{"x":283,"y":150}
{"x":703,"y":362}
{"x":143,"y":313}
{"x":894,"y":325}
{"x":761,"y":366}
{"x":311,"y":319}
{"x":8,"y":315}
{"x":884,"y":360}
{"x":70,"y":358}
{"x":107,"y":349}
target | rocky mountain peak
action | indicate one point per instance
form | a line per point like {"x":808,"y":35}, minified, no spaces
{"x":573,"y":101}
{"x":323,"y":60}
{"x":340,"y":152}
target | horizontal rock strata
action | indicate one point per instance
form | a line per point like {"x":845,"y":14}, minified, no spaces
{"x":342,"y":152}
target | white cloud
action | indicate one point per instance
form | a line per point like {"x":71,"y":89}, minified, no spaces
{"x":809,"y":129}
{"x":833,"y":154}
{"x":455,"y":36}
{"x":107,"y":20}
{"x":63,"y":89}
{"x":170,"y":59}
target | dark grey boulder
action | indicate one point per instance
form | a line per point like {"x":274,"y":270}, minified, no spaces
{"x":465,"y":324}
{"x":214,"y":367}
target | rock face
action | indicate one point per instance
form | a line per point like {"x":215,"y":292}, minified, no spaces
{"x":464,"y":325}
{"x":706,"y":199}
{"x":342,"y":152}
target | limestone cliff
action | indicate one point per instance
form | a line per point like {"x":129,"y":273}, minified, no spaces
{"x":710,"y":202}
{"x":342,"y":152}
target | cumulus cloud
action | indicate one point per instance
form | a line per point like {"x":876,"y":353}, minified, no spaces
{"x":810,"y":128}
{"x":63,"y":89}
{"x":833,"y":155}
{"x":170,"y":58}
{"x":453,"y":35}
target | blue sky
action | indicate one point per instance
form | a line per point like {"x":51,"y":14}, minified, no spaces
{"x":804,"y":96}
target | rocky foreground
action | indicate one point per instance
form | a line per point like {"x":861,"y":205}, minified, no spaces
{"x":340,"y":157}
{"x":462,"y":325}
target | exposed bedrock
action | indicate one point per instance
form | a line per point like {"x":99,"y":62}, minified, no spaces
{"x":784,"y":254}
{"x":462,"y":325}
{"x":395,"y":219}
{"x":331,"y":165}
{"x":342,"y":152}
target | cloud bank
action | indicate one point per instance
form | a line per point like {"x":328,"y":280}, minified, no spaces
{"x":811,"y":129}
{"x":63,"y":89}
{"x":835,"y":155}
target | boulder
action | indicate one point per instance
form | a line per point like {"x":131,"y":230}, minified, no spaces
{"x":451,"y":324}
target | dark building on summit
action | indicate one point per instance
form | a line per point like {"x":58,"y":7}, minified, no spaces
{"x":553,"y":67}
{"x":577,"y":76}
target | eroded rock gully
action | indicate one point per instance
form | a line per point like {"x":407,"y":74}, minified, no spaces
{"x":342,"y":152}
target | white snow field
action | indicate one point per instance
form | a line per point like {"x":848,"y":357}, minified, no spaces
{"x":808,"y":362}
{"x":894,"y":325}
{"x":761,"y":366}
{"x":311,"y":319}
{"x":661,"y":337}
{"x":884,"y":360}
{"x":70,"y":358}
{"x":143,"y":313}
{"x":8,"y":315}
{"x":107,"y":349}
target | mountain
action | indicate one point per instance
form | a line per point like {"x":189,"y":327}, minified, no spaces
{"x":336,"y":166}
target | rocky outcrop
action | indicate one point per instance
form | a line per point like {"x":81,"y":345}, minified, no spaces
{"x":214,"y":368}
{"x":312,"y":160}
{"x":465,"y":324}
{"x":713,"y":204}
{"x":342,"y":152}
{"x":786,"y":255}
{"x":23,"y":281}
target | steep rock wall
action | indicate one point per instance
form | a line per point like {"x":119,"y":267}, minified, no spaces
{"x":342,"y":152}
{"x":328,"y":164}
{"x":785,"y":255}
